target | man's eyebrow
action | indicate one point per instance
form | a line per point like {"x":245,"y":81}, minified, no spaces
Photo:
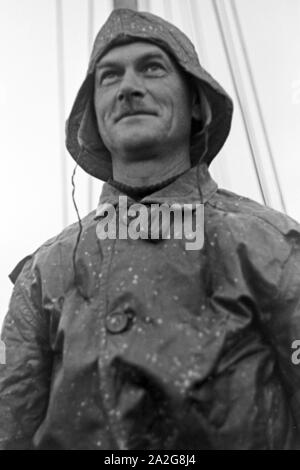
{"x":142,"y":58}
{"x":106,"y":64}
{"x":152,"y":55}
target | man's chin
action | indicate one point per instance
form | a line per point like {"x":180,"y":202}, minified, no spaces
{"x":139,"y":144}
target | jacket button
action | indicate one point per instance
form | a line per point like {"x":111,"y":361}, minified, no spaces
{"x":117,"y":321}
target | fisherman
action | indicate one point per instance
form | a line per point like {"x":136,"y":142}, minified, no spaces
{"x":120,"y":343}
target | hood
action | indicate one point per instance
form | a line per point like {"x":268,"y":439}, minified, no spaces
{"x":83,"y":140}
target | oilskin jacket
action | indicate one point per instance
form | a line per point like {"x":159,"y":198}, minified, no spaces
{"x":162,"y":347}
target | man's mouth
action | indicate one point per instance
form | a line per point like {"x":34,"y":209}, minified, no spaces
{"x":134,"y":113}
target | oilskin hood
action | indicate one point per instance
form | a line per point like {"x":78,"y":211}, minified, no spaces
{"x":82,"y":137}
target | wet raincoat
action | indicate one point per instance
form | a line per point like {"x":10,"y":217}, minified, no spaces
{"x":155,"y":346}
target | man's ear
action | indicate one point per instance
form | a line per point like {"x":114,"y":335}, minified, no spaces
{"x":196,"y":106}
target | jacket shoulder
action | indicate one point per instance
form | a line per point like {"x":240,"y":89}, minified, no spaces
{"x":52,"y":248}
{"x":260,"y":242}
{"x":250,"y":212}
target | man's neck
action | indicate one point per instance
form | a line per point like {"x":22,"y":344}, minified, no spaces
{"x":150,"y":171}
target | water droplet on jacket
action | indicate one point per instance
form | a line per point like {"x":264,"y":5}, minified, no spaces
{"x":154,"y":358}
{"x":177,"y":361}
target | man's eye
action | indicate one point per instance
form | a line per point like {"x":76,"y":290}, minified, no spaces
{"x":108,"y":77}
{"x":154,"y":68}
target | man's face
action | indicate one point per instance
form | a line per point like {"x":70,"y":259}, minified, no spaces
{"x":142,"y":100}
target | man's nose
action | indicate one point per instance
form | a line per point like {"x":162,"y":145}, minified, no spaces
{"x":131,"y":87}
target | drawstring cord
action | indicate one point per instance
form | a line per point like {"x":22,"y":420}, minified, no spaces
{"x":80,"y":228}
{"x":205,"y":131}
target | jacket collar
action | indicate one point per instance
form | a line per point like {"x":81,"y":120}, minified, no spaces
{"x":184,"y":190}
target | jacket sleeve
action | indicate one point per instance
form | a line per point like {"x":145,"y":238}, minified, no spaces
{"x":282,"y":324}
{"x":25,"y":375}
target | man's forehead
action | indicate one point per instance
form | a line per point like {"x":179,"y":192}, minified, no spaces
{"x":133,"y":50}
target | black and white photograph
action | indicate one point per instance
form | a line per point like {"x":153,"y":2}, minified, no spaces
{"x":150,"y":235}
